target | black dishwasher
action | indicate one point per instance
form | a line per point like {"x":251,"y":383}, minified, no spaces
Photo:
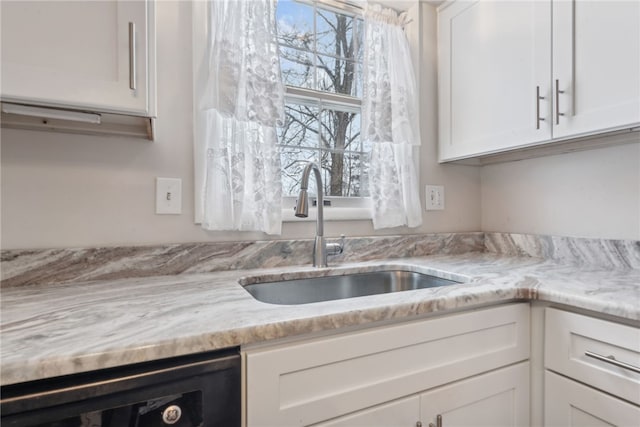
{"x":197,"y":390}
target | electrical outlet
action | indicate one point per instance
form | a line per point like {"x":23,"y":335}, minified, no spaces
{"x":168,"y":196}
{"x":435,"y":197}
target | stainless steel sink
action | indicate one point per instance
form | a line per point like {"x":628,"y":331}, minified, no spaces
{"x":304,"y":291}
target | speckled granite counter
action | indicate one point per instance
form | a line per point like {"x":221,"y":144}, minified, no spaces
{"x":75,"y":327}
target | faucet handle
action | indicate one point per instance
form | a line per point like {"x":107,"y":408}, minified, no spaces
{"x":336,"y":248}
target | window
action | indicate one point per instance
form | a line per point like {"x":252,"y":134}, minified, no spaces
{"x":321,"y":62}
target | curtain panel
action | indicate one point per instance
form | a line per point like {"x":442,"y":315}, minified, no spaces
{"x":390,"y":120}
{"x":239,"y":101}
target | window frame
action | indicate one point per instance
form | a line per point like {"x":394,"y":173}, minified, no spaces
{"x":342,"y":208}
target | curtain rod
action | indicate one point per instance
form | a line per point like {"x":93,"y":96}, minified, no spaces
{"x":351,"y":7}
{"x":343,"y":5}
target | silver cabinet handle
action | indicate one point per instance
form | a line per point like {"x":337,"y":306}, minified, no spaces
{"x":558,"y":92}
{"x":538,"y":98}
{"x":438,"y":422}
{"x":418,"y":424}
{"x":612,"y":360}
{"x":132,"y":56}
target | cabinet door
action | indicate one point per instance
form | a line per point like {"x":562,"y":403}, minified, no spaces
{"x":320,"y":379}
{"x":596,"y":63}
{"x":492,"y":57}
{"x":498,"y":398}
{"x":77,"y":54}
{"x":568,"y":403}
{"x":401,"y":413}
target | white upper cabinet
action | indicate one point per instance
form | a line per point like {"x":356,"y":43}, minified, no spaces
{"x":596,"y":66}
{"x":492,"y":56}
{"x":517,"y":74}
{"x":92,"y":55}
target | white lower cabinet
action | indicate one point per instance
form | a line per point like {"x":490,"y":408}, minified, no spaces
{"x":465,"y":367}
{"x":400,"y":413}
{"x":592,"y":375}
{"x":498,"y":398}
{"x":571,"y":404}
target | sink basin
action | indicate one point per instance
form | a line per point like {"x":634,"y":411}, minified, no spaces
{"x":304,"y":291}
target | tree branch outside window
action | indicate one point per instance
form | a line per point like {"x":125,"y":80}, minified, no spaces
{"x":319,"y":51}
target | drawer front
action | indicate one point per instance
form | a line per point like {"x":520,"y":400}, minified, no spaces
{"x":308,"y":382}
{"x":573,"y":343}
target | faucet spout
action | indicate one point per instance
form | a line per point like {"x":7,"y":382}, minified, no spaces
{"x":302,"y":211}
{"x":302,"y":207}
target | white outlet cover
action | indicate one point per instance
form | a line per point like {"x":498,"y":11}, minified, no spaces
{"x":168,"y":196}
{"x":434,"y":197}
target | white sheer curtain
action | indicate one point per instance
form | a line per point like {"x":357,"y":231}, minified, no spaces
{"x":390,"y":120}
{"x":239,"y":99}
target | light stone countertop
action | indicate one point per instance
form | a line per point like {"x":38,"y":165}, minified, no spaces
{"x":69,"y":328}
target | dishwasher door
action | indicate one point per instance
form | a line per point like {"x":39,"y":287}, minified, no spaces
{"x":200,"y":390}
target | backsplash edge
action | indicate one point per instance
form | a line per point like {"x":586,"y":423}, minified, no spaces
{"x":23,"y":267}
{"x":602,"y":253}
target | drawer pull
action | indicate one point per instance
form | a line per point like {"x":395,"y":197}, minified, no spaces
{"x":132,"y":56}
{"x":612,"y":360}
{"x":438,"y":422}
{"x":558,"y":92}
{"x":538,"y":98}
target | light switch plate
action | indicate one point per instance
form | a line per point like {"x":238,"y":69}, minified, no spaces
{"x":168,"y":196}
{"x":435,"y":197}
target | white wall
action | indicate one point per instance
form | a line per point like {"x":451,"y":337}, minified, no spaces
{"x":462,"y":183}
{"x":592,"y":193}
{"x":71,"y":190}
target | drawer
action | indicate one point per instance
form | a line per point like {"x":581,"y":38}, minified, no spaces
{"x":573,"y":341}
{"x":310,"y":381}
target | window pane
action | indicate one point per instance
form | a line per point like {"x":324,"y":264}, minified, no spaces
{"x":329,"y":60}
{"x":297,"y":67}
{"x":340,"y":130}
{"x":356,"y":172}
{"x":293,"y":162}
{"x":345,"y":174}
{"x":301,"y":126}
{"x":337,"y":34}
{"x":336,"y":75}
{"x":295,"y":24}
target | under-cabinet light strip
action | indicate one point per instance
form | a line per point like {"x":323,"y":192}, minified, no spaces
{"x":51,"y":113}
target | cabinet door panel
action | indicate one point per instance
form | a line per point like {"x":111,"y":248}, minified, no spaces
{"x":596,"y":60}
{"x":75,"y":54}
{"x":499,"y":398}
{"x":320,"y":379}
{"x":492,"y":56}
{"x":401,"y":413}
{"x":568,"y":403}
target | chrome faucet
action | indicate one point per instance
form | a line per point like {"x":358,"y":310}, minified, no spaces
{"x":321,"y":249}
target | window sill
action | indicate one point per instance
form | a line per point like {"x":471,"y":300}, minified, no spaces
{"x":330,"y":214}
